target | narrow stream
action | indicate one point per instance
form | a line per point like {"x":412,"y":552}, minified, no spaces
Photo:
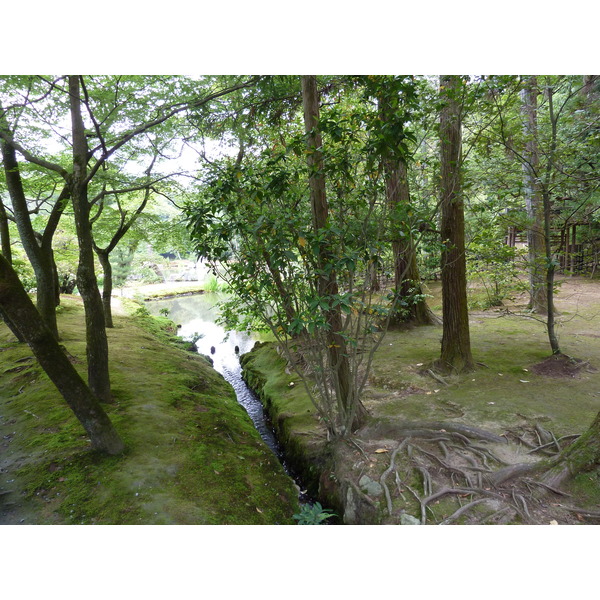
{"x":197,"y":315}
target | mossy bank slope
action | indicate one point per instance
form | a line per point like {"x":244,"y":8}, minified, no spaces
{"x":192,"y":457}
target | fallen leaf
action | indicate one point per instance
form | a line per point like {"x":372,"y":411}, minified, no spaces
{"x":258,"y":510}
{"x":553,"y":522}
{"x":419,"y":364}
{"x":501,"y":375}
{"x":523,"y":381}
{"x":526,"y":370}
{"x":381,"y":450}
{"x":491,"y":403}
{"x":436,"y":391}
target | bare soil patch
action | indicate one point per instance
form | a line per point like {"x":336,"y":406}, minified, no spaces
{"x":561,"y":365}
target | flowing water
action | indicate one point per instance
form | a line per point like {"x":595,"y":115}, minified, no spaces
{"x":197,"y":315}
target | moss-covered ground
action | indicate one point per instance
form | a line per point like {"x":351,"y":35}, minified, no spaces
{"x":504,"y":394}
{"x":192,"y":457}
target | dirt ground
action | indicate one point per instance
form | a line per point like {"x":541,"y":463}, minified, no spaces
{"x":434,"y":446}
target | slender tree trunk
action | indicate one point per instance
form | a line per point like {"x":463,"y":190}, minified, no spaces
{"x":5,"y":234}
{"x":288,"y":307}
{"x":456,"y":343}
{"x":548,"y":255}
{"x":538,"y":298}
{"x":550,"y":271}
{"x":15,"y":302}
{"x":107,"y":286}
{"x":354,"y":411}
{"x":40,"y":258}
{"x":97,"y":342}
{"x":5,"y":251}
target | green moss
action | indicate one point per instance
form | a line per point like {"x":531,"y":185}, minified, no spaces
{"x":292,"y":414}
{"x":586,"y":486}
{"x":193,"y":455}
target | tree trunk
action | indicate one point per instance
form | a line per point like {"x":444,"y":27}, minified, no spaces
{"x":547,"y":211}
{"x":5,"y":251}
{"x":538,"y":297}
{"x":354,"y":413}
{"x":39,"y":257}
{"x":581,"y":456}
{"x":5,"y":234}
{"x":15,"y":302}
{"x":407,"y":280}
{"x":97,"y":342}
{"x":107,"y":286}
{"x":550,"y":270}
{"x":290,"y":312}
{"x":456,"y":344}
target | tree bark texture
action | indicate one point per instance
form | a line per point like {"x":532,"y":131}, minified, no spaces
{"x":5,"y":234}
{"x":353,"y":409}
{"x":456,"y":343}
{"x":5,"y":250}
{"x":96,"y":339}
{"x":407,"y":280}
{"x":15,"y":302}
{"x":40,"y":256}
{"x":538,"y":297}
{"x":107,"y":285}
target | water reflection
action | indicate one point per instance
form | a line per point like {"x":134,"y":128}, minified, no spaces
{"x":197,"y":315}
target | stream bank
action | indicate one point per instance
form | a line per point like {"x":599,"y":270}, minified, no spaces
{"x":329,"y":470}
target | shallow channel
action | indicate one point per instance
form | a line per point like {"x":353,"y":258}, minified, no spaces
{"x":197,"y":315}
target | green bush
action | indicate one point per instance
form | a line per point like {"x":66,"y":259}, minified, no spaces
{"x":313,"y":514}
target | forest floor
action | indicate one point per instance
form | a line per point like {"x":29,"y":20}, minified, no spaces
{"x":194,"y":457}
{"x":431,"y":444}
{"x":535,"y":402}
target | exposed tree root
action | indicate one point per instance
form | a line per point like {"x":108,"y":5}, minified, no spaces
{"x":452,"y":461}
{"x":462,"y":510}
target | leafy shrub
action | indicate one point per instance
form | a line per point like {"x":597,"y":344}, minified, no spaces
{"x":313,"y":514}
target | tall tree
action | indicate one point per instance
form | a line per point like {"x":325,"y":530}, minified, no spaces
{"x":456,"y":342}
{"x":354,"y":412}
{"x":538,"y":297}
{"x":96,"y":339}
{"x":407,"y":280}
{"x":37,"y":246}
{"x":6,"y":251}
{"x":394,"y":111}
{"x":15,"y":303}
{"x":115,"y":114}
